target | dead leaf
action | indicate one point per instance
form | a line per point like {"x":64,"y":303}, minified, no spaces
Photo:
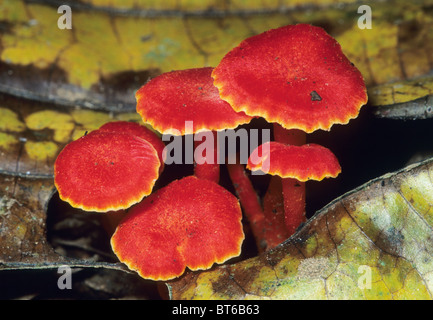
{"x":375,"y":242}
{"x":39,"y":61}
{"x":403,"y":100}
{"x":33,"y":133}
{"x":23,"y":242}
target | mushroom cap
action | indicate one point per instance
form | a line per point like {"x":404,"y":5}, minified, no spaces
{"x":306,"y":162}
{"x":106,"y":171}
{"x":169,"y":100}
{"x":137,"y":130}
{"x":295,"y":75}
{"x":191,"y":223}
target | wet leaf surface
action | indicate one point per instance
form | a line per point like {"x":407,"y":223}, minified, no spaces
{"x":403,"y":100}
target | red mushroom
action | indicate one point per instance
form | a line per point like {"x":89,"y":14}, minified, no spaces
{"x":169,"y":101}
{"x":191,"y":223}
{"x":106,"y":171}
{"x":274,"y":229}
{"x":296,"y":77}
{"x":139,"y":131}
{"x":306,"y":162}
{"x":297,"y":164}
{"x":172,"y":99}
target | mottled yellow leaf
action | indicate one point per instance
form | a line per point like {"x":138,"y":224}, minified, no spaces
{"x":38,"y":41}
{"x":400,"y":91}
{"x":194,"y":5}
{"x":41,"y":151}
{"x":88,"y":120}
{"x":12,"y":10}
{"x":9,"y":121}
{"x":150,"y":37}
{"x":375,"y":242}
{"x":7,"y":140}
{"x":61,"y":123}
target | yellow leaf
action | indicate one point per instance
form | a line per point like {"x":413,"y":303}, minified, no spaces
{"x":41,"y":151}
{"x":9,"y":121}
{"x":375,"y":242}
{"x":61,"y":123}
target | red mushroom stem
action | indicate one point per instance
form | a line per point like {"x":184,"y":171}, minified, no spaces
{"x":266,"y":221}
{"x":210,"y":168}
{"x":273,"y":207}
{"x":249,"y":201}
{"x":293,"y":190}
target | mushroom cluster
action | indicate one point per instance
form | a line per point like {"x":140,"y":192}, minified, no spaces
{"x":191,"y":222}
{"x":297,"y":78}
{"x":289,"y":77}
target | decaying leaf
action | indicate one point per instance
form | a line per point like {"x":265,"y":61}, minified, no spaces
{"x":375,"y":242}
{"x":23,"y":232}
{"x":185,"y":7}
{"x":32,"y":134}
{"x":79,"y":67}
{"x":403,"y":100}
{"x":421,"y":108}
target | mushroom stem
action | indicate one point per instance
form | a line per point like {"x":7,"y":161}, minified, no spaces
{"x":249,"y":200}
{"x":289,"y":136}
{"x":267,"y":222}
{"x":208,"y":168}
{"x":275,"y":231}
{"x":294,"y":203}
{"x":110,"y":220}
{"x":293,"y":190}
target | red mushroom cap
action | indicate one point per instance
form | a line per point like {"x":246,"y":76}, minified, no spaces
{"x":295,"y":75}
{"x":167,"y":101}
{"x":190,"y":223}
{"x":139,"y":131}
{"x":106,"y":171}
{"x":306,"y":162}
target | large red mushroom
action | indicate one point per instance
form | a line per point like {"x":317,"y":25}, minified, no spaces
{"x":295,"y":77}
{"x":190,"y":223}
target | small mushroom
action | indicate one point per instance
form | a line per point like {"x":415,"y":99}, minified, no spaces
{"x":106,"y":171}
{"x":307,"y":162}
{"x":297,"y":164}
{"x":191,"y":223}
{"x":171,"y":100}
